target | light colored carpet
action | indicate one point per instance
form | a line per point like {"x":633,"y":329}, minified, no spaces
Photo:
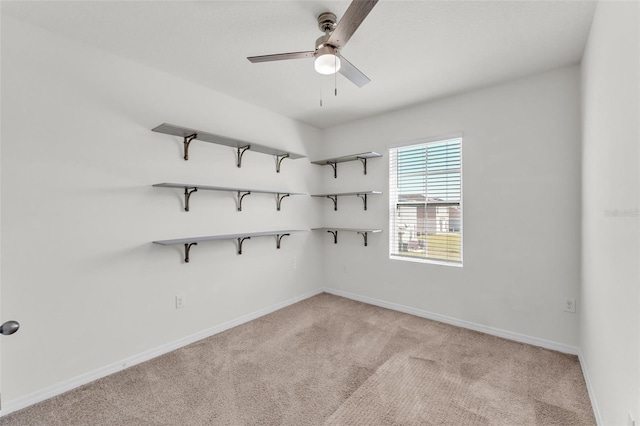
{"x":330,"y":360}
{"x":415,"y":391}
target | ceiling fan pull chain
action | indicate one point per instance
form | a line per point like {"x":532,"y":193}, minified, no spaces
{"x":335,"y":77}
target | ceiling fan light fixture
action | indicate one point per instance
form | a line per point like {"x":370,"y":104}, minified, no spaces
{"x":327,"y":62}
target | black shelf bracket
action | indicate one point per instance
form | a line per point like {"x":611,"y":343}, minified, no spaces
{"x":279,"y":201}
{"x":334,"y":198}
{"x":364,"y":235}
{"x":241,"y":151}
{"x":240,"y":197}
{"x":240,"y":241}
{"x":364,"y":199}
{"x":187,"y":197}
{"x":335,"y":236}
{"x":279,"y":239}
{"x":364,"y":163}
{"x":279,"y":161}
{"x":187,"y":141}
{"x":187,"y":249}
{"x":335,"y":168}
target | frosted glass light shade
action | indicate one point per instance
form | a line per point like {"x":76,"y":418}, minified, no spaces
{"x":327,"y":64}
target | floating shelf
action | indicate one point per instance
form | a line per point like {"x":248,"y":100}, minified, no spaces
{"x":333,"y":162}
{"x":334,"y":197}
{"x":241,"y":146}
{"x":334,"y":231}
{"x":242,"y":192}
{"x":189,"y":242}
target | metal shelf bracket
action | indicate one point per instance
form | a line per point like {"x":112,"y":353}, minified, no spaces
{"x":335,"y":168}
{"x":240,"y":241}
{"x":187,"y":249}
{"x":279,"y":201}
{"x":187,"y":197}
{"x":364,"y":163}
{"x":241,"y":151}
{"x":334,"y":198}
{"x":279,"y":161}
{"x":240,"y":197}
{"x":335,"y":236}
{"x":279,"y":239}
{"x":364,"y":199}
{"x":187,"y":141}
{"x":364,"y":235}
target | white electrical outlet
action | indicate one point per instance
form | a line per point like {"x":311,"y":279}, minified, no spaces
{"x":570,"y":305}
{"x":630,"y":420}
{"x":180,"y":301}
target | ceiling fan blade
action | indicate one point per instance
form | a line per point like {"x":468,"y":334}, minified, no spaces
{"x":353,"y":17}
{"x":281,"y":56}
{"x":352,"y":73}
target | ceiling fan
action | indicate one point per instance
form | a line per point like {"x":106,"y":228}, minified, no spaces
{"x":328,"y":59}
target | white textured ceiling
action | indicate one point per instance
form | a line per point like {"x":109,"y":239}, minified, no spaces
{"x":413,"y":51}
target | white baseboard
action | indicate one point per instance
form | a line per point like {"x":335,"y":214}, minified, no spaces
{"x":592,"y":396}
{"x":510,"y":335}
{"x":67,"y":385}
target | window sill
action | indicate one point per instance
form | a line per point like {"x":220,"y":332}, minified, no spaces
{"x":422,"y":260}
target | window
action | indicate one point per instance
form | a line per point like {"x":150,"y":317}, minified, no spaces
{"x":425,"y":201}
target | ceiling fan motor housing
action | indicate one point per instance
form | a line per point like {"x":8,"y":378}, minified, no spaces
{"x":324,"y":50}
{"x":327,"y":22}
{"x":322,"y":47}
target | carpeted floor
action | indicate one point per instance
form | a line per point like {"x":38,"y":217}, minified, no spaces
{"x":330,"y":360}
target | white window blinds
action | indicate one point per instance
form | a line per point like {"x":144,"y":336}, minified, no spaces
{"x":425,"y":190}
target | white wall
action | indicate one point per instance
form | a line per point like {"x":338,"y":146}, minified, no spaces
{"x":79,"y":213}
{"x":521,"y":179}
{"x":610,"y":320}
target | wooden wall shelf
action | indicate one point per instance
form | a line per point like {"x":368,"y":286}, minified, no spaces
{"x":334,"y":197}
{"x":193,"y":241}
{"x":241,"y":146}
{"x":333,"y":162}
{"x":334,"y":231}
{"x":242,"y":192}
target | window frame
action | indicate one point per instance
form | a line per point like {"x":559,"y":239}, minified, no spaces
{"x":394,"y":200}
